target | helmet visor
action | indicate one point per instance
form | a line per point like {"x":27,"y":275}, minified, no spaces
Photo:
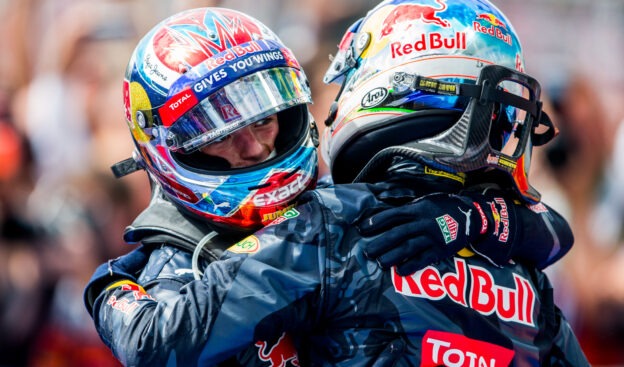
{"x":236,"y":105}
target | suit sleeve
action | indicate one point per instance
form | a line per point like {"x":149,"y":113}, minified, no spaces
{"x":545,"y":236}
{"x":273,"y":272}
{"x":566,"y":350}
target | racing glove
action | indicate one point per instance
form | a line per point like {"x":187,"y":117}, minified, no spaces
{"x":437,"y":226}
{"x":543,"y":236}
{"x":126,"y":267}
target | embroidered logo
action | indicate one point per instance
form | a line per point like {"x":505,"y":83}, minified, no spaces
{"x":448,"y":226}
{"x":448,"y":349}
{"x":279,"y":354}
{"x":472,"y":287}
{"x":247,"y":245}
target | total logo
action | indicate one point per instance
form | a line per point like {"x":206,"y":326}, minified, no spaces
{"x":176,"y":107}
{"x":455,"y":350}
{"x":472,"y":287}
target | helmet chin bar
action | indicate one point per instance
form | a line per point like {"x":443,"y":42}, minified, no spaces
{"x":465,"y":146}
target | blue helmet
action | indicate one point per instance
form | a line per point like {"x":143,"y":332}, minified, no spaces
{"x":199,"y":76}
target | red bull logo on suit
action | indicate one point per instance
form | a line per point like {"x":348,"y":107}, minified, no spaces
{"x":279,"y":354}
{"x":473,"y":287}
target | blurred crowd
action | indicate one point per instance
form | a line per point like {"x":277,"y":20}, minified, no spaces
{"x":62,"y":127}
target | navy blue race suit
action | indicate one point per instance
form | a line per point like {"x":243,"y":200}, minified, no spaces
{"x":306,"y":275}
{"x":173,"y":237}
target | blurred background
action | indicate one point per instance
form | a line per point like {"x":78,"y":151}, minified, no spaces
{"x":62,"y":127}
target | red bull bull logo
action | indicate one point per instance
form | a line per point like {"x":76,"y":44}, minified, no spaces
{"x":125,"y":304}
{"x":137,"y":291}
{"x":495,"y":27}
{"x":501,"y":218}
{"x":280,"y":354}
{"x":492,"y":19}
{"x":412,"y":12}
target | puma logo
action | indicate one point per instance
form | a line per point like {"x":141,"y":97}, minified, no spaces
{"x":467,"y":214}
{"x":224,"y":204}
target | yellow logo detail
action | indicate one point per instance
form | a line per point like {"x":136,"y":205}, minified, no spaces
{"x":465,"y":252}
{"x":272,"y":216}
{"x":248,"y":245}
{"x":504,"y":162}
{"x":459,"y":177}
{"x":139,"y":100}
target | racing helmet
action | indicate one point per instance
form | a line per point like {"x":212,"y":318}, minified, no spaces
{"x":197,"y":77}
{"x":441,"y":81}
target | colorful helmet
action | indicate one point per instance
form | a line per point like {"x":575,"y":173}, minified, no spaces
{"x":199,"y":76}
{"x":439,"y":80}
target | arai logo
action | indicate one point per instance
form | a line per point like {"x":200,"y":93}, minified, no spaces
{"x":374,"y":97}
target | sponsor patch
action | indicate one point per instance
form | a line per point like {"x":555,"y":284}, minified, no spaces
{"x":177,"y":106}
{"x":126,"y":305}
{"x":484,"y":221}
{"x":455,"y":350}
{"x":472,"y":287}
{"x":374,"y":97}
{"x":494,"y":28}
{"x":501,"y":218}
{"x":429,"y":42}
{"x":248,"y":245}
{"x":459,"y":177}
{"x":288,"y":187}
{"x":279,"y":354}
{"x":539,"y":208}
{"x":289,"y":213}
{"x":448,"y":226}
{"x":507,"y":164}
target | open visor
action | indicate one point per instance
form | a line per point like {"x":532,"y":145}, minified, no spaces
{"x":236,"y":105}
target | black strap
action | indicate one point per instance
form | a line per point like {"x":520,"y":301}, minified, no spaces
{"x":125,"y":167}
{"x":545,"y":137}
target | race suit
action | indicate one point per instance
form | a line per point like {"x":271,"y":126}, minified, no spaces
{"x":306,"y":275}
{"x":174,"y":237}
